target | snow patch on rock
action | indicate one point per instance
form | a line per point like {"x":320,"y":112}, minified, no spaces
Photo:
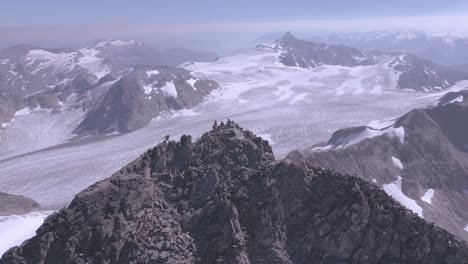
{"x":459,"y":99}
{"x":147,"y":88}
{"x":192,"y":82}
{"x":427,"y":197}
{"x":397,"y":162}
{"x":394,"y":190}
{"x":169,"y":89}
{"x":152,"y":72}
{"x":23,"y":112}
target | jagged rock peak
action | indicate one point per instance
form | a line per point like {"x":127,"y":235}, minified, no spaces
{"x":224,"y":199}
{"x":288,"y":36}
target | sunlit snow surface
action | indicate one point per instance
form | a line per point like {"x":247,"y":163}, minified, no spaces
{"x":293,"y":107}
{"x":15,"y":229}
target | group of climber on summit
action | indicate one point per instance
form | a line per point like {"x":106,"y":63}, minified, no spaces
{"x":215,"y":124}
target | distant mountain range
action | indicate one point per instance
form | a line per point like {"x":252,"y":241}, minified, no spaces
{"x":413,"y":72}
{"x":447,"y":50}
{"x":59,"y":80}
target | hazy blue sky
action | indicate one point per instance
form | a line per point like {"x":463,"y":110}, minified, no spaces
{"x":57,"y":22}
{"x":53,"y":12}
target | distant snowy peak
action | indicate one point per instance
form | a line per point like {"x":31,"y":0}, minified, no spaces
{"x":398,"y":36}
{"x":307,"y":54}
{"x":388,"y":35}
{"x":412,"y":72}
{"x":58,"y":80}
{"x":50,"y":62}
{"x":445,"y":49}
{"x":118,"y":43}
{"x":29,"y":71}
{"x":25,"y":70}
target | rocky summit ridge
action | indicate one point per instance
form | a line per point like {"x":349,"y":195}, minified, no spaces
{"x":225,"y":199}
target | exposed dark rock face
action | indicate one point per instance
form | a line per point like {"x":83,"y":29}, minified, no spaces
{"x":433,"y":156}
{"x":16,"y":204}
{"x":141,"y":95}
{"x":224,"y":199}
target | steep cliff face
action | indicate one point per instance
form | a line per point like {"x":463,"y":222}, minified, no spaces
{"x":224,"y":199}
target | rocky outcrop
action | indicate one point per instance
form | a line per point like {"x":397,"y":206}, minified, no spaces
{"x":224,"y":199}
{"x":16,"y":204}
{"x":430,"y":156}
